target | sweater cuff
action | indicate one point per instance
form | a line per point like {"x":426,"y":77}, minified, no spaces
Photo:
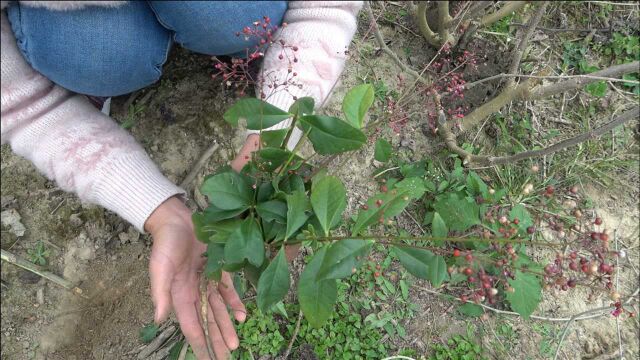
{"x":283,"y":100}
{"x":133,"y":187}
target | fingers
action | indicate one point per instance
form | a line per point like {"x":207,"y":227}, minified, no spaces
{"x":188,"y":316}
{"x":231,"y":298}
{"x":161,"y":275}
{"x":218,"y":342}
{"x":222,"y":318}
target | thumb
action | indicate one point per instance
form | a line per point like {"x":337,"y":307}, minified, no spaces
{"x":161,"y":273}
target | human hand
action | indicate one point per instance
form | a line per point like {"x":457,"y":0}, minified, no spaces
{"x":251,"y":144}
{"x":175,"y":268}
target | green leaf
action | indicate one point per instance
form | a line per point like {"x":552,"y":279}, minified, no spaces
{"x":423,"y":264}
{"x":229,"y":190}
{"x":215,"y":214}
{"x":522,"y":214}
{"x":291,"y":183}
{"x":148,"y":333}
{"x":174,"y":353}
{"x":331,"y":135}
{"x":393,"y":202}
{"x":273,"y":210}
{"x":273,"y":138}
{"x":258,"y":114}
{"x":477,"y":185}
{"x":597,"y":89}
{"x":252,"y":273}
{"x":382,"y":150}
{"x":471,"y":310}
{"x":265,"y":190}
{"x":342,"y":257}
{"x":438,"y":226}
{"x":356,"y":103}
{"x":458,"y":213}
{"x":526,"y":295}
{"x":274,"y":282}
{"x":328,"y":199}
{"x":270,"y":159}
{"x":317,"y":298}
{"x":222,"y":230}
{"x":245,"y":243}
{"x":215,"y":261}
{"x":302,"y":106}
{"x":297,"y":207}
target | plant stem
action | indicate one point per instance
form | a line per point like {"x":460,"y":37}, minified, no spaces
{"x":507,"y":9}
{"x":292,"y":127}
{"x":293,"y":152}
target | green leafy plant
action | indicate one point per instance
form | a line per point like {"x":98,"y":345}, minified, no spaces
{"x":39,"y":254}
{"x":281,"y":199}
{"x":148,"y":333}
{"x":458,"y":347}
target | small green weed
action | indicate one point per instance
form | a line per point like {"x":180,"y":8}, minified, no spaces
{"x":39,"y":254}
{"x":132,"y":116}
{"x":459,"y":347}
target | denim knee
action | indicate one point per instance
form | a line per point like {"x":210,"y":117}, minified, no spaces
{"x":95,"y":51}
{"x":210,"y":27}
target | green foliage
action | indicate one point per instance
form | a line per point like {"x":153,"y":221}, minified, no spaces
{"x":274,"y":282}
{"x":471,"y":310}
{"x":459,"y":347}
{"x":356,"y":103}
{"x":39,"y":254}
{"x":526,"y":295}
{"x":148,"y":333}
{"x":330,"y":135}
{"x":382,"y":150}
{"x":317,"y":297}
{"x":422,"y":264}
{"x":329,"y":199}
{"x":258,"y":114}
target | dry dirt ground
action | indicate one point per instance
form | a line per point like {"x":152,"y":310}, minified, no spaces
{"x":180,"y":119}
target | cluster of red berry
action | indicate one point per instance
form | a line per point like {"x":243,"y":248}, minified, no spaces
{"x":481,"y":285}
{"x":237,"y":73}
{"x":449,"y":70}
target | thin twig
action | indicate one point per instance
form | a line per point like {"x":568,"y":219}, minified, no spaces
{"x":535,"y":317}
{"x":18,"y":261}
{"x":383,"y":46}
{"x":294,"y":336}
{"x":507,"y":9}
{"x":571,"y":320}
{"x":524,"y":41}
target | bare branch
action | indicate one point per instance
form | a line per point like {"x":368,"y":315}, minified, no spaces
{"x":578,"y":82}
{"x":444,"y":20}
{"x":470,"y":85}
{"x":425,"y":30}
{"x":507,"y":9}
{"x":383,"y":46}
{"x":524,"y":41}
{"x":450,"y":141}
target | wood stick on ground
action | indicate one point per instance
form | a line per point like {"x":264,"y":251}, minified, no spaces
{"x":482,"y":160}
{"x":202,"y":160}
{"x":20,"y":262}
{"x":157,"y":342}
{"x":524,"y":41}
{"x":383,"y":46}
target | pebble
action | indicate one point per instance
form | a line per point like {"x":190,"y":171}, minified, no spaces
{"x":26,"y":344}
{"x":75,"y":220}
{"x":7,"y":200}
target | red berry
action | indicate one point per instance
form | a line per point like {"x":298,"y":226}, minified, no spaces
{"x":463,"y":298}
{"x":516,"y":221}
{"x":595,"y":236}
{"x":384,"y":188}
{"x":471,"y":279}
{"x":379,"y":202}
{"x":550,"y":189}
{"x":574,"y":189}
{"x":571,"y":283}
{"x":377,"y":266}
{"x":604,"y":237}
{"x":468,"y":257}
{"x":573,"y":266}
{"x":598,"y":221}
{"x":467,"y":271}
{"x":365,"y":207}
{"x":531,"y":229}
{"x":376,"y":274}
{"x":456,"y":252}
{"x":584,"y":268}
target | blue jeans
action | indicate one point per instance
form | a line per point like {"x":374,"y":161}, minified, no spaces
{"x":103,"y":51}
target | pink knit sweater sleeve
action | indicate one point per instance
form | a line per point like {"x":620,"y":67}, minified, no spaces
{"x":322,"y":32}
{"x":71,"y":142}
